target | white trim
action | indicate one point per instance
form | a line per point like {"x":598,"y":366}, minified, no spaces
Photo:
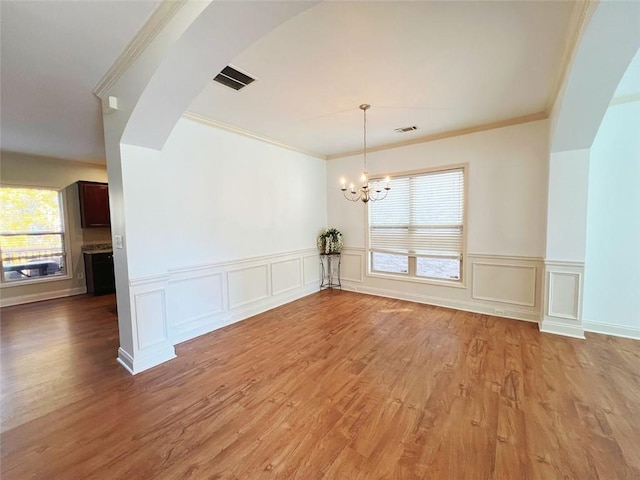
{"x":519,"y":258}
{"x":580,"y":16}
{"x":292,"y":287}
{"x":604,"y":328}
{"x":463,"y":305}
{"x":403,"y":277}
{"x":625,"y":99}
{"x":566,"y":330}
{"x":564,"y":263}
{"x":137,"y":282}
{"x":239,"y":261}
{"x":35,"y":281}
{"x":149,"y":31}
{"x":38,"y":297}
{"x":576,"y":299}
{"x":359,"y":256}
{"x":503,"y":300}
{"x":207,"y":323}
{"x":125,"y":360}
{"x":142,"y":363}
{"x":246,"y":133}
{"x":317,"y":263}
{"x":267,"y":276}
{"x":534,"y":117}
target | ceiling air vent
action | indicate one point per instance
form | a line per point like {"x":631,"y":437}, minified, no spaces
{"x":232,"y":78}
{"x":406,"y":129}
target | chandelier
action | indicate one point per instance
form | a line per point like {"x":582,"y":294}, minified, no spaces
{"x":366,"y":192}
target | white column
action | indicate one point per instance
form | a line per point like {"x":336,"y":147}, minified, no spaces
{"x":566,"y":241}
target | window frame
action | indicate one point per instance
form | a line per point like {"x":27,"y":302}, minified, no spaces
{"x":64,"y":218}
{"x":411,"y":276}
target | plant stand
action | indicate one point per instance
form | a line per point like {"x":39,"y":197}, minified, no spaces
{"x":330,"y":266}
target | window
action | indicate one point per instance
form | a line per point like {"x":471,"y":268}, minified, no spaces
{"x":418,"y":230}
{"x":32,"y":243}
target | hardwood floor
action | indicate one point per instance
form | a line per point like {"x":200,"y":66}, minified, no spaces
{"x":336,"y":385}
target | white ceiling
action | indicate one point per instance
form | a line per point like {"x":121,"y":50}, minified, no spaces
{"x":441,"y":66}
{"x":53,"y":55}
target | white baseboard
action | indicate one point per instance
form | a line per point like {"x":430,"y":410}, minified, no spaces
{"x":612,"y":329}
{"x":512,"y":313}
{"x":38,"y":297}
{"x":140,"y":364}
{"x":557,"y":328}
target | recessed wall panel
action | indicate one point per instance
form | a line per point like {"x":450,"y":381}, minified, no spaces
{"x":150,"y":319}
{"x":285,"y":275}
{"x":248,"y":285}
{"x":194,"y":297}
{"x":514,"y":284}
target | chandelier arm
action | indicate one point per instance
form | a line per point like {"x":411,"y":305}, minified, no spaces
{"x":350,"y":197}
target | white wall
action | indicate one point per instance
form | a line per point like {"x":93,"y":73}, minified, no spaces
{"x":506,"y":217}
{"x":215,"y":196}
{"x":220,"y":227}
{"x":612,"y":271}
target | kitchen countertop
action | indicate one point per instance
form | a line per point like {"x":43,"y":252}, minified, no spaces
{"x":97,"y":248}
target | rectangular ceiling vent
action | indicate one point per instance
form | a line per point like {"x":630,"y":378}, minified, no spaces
{"x":406,"y":129}
{"x":233,"y":78}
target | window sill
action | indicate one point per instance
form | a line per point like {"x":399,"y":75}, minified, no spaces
{"x":419,"y":280}
{"x":22,"y":283}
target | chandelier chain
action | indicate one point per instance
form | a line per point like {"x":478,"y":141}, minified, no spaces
{"x":366,"y":193}
{"x":365,"y":140}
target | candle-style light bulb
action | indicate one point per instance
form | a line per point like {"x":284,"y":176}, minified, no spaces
{"x":353,"y":188}
{"x":344,"y":183}
{"x":387,"y":180}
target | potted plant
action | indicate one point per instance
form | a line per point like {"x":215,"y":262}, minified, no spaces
{"x":330,"y":241}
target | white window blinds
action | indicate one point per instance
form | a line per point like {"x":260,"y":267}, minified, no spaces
{"x":422,"y":216}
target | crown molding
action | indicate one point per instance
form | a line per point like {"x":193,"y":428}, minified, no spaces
{"x":451,"y":133}
{"x":625,"y":99}
{"x":246,"y":133}
{"x":152,"y":27}
{"x":581,"y":13}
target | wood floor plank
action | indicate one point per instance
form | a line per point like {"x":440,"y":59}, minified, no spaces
{"x":337,"y":385}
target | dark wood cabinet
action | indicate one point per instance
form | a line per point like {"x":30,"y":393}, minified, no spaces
{"x":99,"y":273}
{"x":94,"y":204}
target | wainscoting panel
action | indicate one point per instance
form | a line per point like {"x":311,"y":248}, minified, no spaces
{"x":505,"y":283}
{"x":311,"y":267}
{"x":564,"y":295}
{"x":563,"y":298}
{"x":248,"y":285}
{"x":501,"y":285}
{"x":152,"y":344}
{"x":286,"y":275}
{"x":203,"y":298}
{"x":193,"y":297}
{"x":352,"y":265}
{"x":150,"y":312}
